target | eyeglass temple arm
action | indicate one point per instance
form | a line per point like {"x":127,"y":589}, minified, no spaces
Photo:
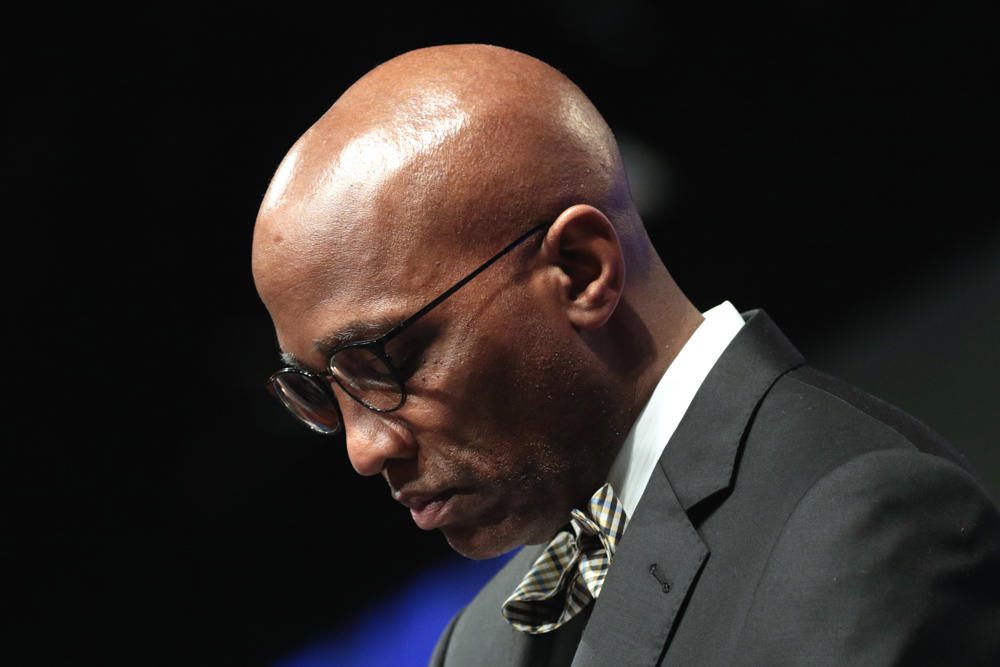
{"x":389,"y":335}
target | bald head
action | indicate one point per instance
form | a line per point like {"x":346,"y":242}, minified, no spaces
{"x":420,"y":172}
{"x":464,"y":142}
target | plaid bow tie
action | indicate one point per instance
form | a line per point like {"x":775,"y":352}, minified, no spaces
{"x":570,"y":572}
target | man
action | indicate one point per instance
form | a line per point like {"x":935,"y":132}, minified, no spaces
{"x":459,"y":280}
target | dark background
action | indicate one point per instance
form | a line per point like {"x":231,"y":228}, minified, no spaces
{"x":835,"y":165}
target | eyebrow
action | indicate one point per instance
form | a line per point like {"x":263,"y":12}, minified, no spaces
{"x":356,"y":331}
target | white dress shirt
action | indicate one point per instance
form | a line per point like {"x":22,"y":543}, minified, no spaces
{"x":658,"y":420}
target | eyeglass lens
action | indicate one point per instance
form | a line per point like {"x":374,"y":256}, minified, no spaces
{"x":308,"y":401}
{"x":366,"y":377}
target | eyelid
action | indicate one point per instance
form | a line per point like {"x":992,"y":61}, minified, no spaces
{"x":411,"y":346}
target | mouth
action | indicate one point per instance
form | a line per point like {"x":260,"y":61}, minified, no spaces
{"x":428,"y":512}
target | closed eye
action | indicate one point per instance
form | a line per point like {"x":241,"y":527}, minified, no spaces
{"x":409,"y":351}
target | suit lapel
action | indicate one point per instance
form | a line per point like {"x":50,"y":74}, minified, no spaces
{"x":702,"y":455}
{"x":656,"y":566}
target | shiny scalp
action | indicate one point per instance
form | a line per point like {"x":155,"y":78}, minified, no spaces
{"x":473,"y":141}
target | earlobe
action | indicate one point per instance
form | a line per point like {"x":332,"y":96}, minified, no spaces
{"x":584,"y":246}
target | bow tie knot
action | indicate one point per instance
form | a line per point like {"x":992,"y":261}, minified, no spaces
{"x":571,"y":571}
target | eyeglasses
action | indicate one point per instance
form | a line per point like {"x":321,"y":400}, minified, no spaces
{"x":363,"y":370}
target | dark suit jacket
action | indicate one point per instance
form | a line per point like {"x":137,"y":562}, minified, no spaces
{"x":798,"y":520}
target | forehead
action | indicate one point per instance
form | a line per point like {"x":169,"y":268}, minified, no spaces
{"x":358,"y":228}
{"x":352,"y":288}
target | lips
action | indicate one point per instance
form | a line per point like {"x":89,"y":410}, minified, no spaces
{"x":428,"y":511}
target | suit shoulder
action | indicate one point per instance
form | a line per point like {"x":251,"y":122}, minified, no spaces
{"x":895,"y":427}
{"x":832,"y":421}
{"x":810,"y":426}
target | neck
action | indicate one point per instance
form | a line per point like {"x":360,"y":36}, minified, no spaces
{"x":650,"y":325}
{"x":668,"y":320}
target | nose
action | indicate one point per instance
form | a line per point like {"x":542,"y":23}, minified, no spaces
{"x":373,"y":438}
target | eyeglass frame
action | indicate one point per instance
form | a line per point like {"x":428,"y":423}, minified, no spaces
{"x":377,"y":345}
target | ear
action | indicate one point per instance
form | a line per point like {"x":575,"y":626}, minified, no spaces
{"x":584,"y":247}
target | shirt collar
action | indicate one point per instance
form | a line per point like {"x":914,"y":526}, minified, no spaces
{"x":658,"y":420}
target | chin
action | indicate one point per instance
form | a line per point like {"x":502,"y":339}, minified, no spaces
{"x":481,"y":543}
{"x":477,"y":546}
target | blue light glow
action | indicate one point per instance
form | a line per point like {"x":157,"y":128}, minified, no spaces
{"x":401,"y":631}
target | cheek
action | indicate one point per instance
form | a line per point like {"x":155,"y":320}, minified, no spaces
{"x":507,"y":381}
{"x":494,"y":387}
